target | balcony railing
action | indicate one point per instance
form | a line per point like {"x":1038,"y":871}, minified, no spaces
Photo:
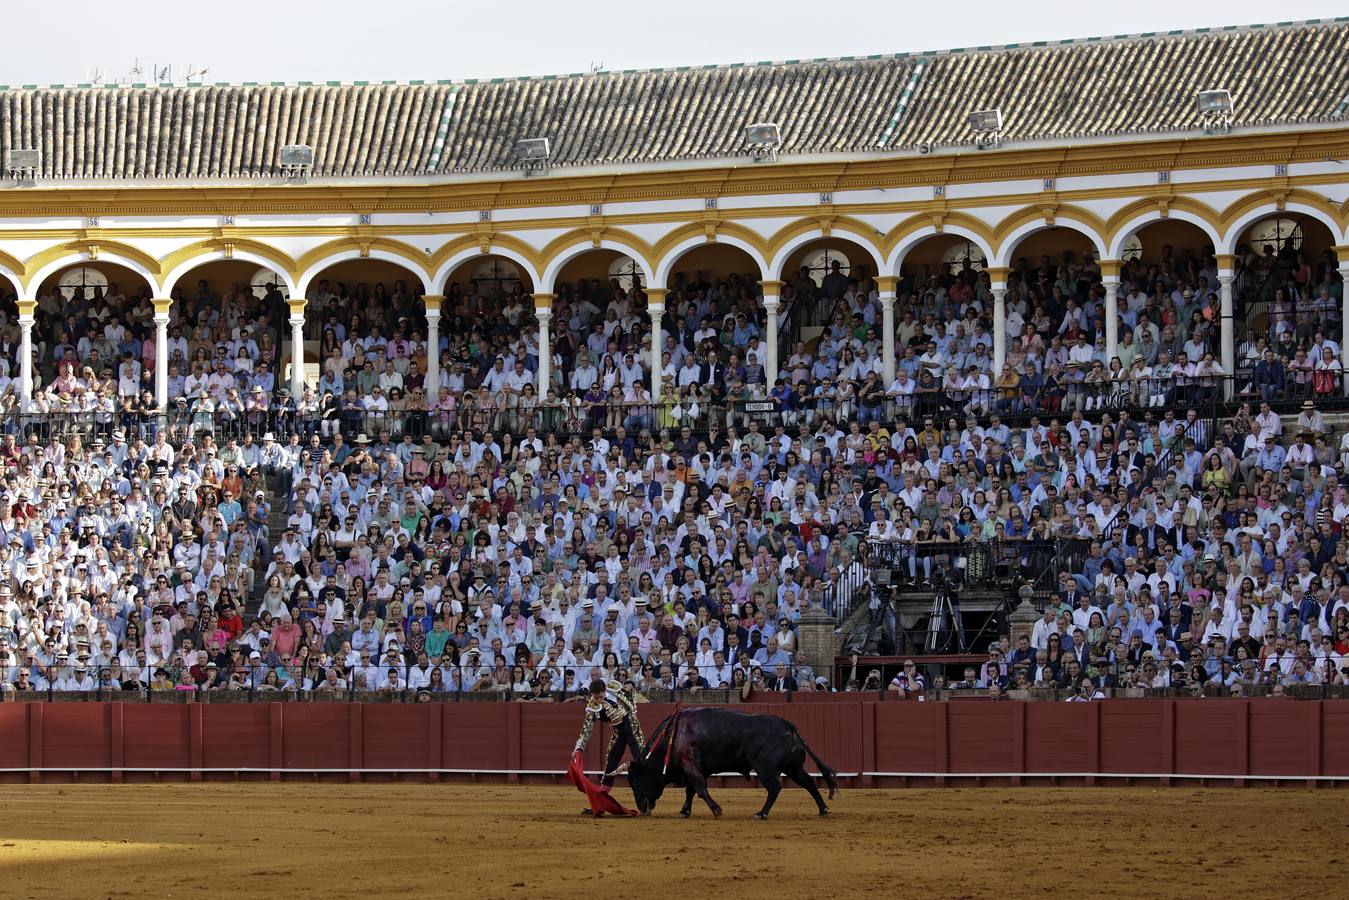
{"x":1212,"y":397}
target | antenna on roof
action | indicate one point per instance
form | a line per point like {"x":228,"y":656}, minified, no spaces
{"x":135,"y":75}
{"x":159,"y":74}
{"x":596,"y":66}
{"x":95,"y":75}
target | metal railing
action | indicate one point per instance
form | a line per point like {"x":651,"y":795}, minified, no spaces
{"x":281,"y":421}
{"x":1140,"y":397}
{"x":972,"y":562}
{"x":1211,"y":396}
{"x":397,"y":682}
{"x":943,"y":678}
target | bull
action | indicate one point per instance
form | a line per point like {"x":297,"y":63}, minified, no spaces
{"x":695,"y":743}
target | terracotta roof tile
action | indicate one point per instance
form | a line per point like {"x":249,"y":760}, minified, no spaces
{"x":1286,"y":74}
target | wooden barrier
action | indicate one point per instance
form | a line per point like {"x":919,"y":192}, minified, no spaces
{"x":872,"y":744}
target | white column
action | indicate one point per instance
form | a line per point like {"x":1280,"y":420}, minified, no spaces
{"x":545,"y":374}
{"x":657,"y":311}
{"x":543,"y":312}
{"x":997,"y":285}
{"x":297,"y":348}
{"x":26,"y":310}
{"x":770,"y":304}
{"x":772,"y":292}
{"x":1344,"y":325}
{"x":162,"y":353}
{"x":887,"y":298}
{"x":655,"y":306}
{"x":999,"y":290}
{"x":1111,"y":283}
{"x":1228,"y":330}
{"x":432,"y":391}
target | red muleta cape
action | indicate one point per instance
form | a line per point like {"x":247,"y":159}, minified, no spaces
{"x":601,"y":801}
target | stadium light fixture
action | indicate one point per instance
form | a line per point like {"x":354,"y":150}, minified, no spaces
{"x":763,"y":139}
{"x":1214,"y":101}
{"x":533,"y":154}
{"x":296,"y":161}
{"x":987,"y":127}
{"x":22,"y":165}
{"x":1215,"y":109}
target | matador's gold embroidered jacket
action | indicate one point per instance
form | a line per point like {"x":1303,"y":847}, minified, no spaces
{"x":617,"y":704}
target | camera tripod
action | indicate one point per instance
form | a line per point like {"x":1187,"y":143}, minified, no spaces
{"x":945,"y":608}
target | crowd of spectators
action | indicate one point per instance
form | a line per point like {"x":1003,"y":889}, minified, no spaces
{"x":487,"y":540}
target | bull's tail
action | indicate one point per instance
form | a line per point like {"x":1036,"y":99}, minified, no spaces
{"x":830,"y":776}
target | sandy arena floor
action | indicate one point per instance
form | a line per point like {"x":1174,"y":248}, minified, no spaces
{"x":337,"y":841}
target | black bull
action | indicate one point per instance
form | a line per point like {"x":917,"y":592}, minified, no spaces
{"x":695,"y":743}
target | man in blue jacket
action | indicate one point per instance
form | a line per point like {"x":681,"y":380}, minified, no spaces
{"x":1269,"y":377}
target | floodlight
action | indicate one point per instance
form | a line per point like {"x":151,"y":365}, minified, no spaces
{"x":763,"y":139}
{"x":1219,"y":101}
{"x":1215,"y":108}
{"x":986,"y":120}
{"x":23,"y":165}
{"x":533,"y":153}
{"x":763,"y":134}
{"x":532,"y":150}
{"x":296,"y":161}
{"x":987,"y":127}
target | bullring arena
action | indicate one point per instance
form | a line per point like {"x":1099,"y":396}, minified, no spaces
{"x":948,"y":843}
{"x":303,"y":785}
{"x":403,"y":484}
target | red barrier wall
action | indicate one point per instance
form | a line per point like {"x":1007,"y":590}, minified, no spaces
{"x":880,"y":744}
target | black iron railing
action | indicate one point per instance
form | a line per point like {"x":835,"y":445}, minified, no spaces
{"x":389,"y":681}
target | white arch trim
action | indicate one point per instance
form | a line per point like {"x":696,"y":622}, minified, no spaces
{"x":677,"y":252}
{"x":442,"y":276}
{"x":1229,"y":241}
{"x":14,"y":280}
{"x":555,"y":265}
{"x":779,"y":263}
{"x":1026,"y":229}
{"x":171,"y":280}
{"x":82,"y":259}
{"x":1137,"y":224}
{"x":307,"y":277}
{"x":896,"y":257}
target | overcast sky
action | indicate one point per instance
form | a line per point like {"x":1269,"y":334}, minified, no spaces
{"x":339,"y":40}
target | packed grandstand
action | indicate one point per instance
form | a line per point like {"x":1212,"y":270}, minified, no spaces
{"x":475,"y":543}
{"x":491,"y":500}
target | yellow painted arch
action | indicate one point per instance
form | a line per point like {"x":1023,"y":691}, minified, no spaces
{"x":113,"y":249}
{"x":1087,"y":222}
{"x":565,"y":242}
{"x":1273,"y":197}
{"x":400,"y":249}
{"x":844,"y":227}
{"x":13,"y":264}
{"x":1131,"y":211}
{"x":918,"y":221}
{"x":496,"y":239}
{"x":683,"y":233}
{"x":178,"y":258}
